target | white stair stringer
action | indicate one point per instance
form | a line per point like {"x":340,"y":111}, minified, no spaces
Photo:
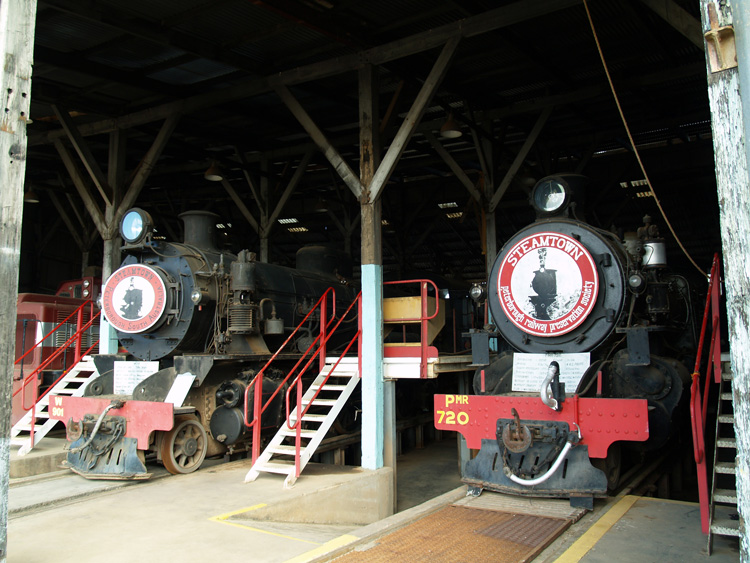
{"x":334,"y":394}
{"x":72,"y":384}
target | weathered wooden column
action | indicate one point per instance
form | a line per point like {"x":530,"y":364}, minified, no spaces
{"x":373,"y":387}
{"x":730,"y":122}
{"x":17,"y":20}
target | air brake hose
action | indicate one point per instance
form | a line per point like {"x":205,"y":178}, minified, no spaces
{"x":572,"y":440}
{"x":115,"y":404}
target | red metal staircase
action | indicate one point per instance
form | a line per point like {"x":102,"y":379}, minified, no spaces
{"x":36,"y":422}
{"x":316,"y":408}
{"x":717,"y":504}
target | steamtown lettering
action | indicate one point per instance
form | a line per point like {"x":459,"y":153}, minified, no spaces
{"x":567,"y":245}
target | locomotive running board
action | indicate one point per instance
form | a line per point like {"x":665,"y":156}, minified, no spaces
{"x":280,"y":458}
{"x":72,"y":384}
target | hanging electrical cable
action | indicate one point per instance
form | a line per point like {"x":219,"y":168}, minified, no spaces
{"x":632,"y":142}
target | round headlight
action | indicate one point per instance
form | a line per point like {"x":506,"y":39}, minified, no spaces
{"x":196,"y":296}
{"x":476,"y":292}
{"x":549,"y":196}
{"x":135,"y":225}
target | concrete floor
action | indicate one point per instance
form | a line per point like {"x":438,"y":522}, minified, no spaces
{"x":212,"y":515}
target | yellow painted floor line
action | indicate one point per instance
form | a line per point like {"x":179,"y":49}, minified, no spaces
{"x":222,"y":519}
{"x":588,"y":540}
{"x":323,"y":549}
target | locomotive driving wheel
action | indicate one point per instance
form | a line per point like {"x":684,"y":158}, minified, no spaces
{"x":611,"y":466}
{"x":183,"y":448}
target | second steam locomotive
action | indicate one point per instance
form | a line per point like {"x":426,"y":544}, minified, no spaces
{"x":597,"y":334}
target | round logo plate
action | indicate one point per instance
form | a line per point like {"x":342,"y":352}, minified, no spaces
{"x":547,"y":284}
{"x":134,"y":298}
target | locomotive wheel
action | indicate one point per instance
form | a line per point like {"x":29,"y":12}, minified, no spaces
{"x":611,"y":466}
{"x":183,"y":448}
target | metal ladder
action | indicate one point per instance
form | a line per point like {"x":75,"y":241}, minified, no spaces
{"x":27,"y":435}
{"x":279,"y":457}
{"x":723,"y":519}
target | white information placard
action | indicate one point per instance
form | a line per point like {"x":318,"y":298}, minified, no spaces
{"x":180,"y":388}
{"x":129,"y":374}
{"x":529,"y":370}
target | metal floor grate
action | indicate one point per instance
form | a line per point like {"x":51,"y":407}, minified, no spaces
{"x":456,"y":534}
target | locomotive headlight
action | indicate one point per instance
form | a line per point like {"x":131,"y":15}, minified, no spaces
{"x":477,"y":292}
{"x":135,"y":225}
{"x":550,"y":196}
{"x":196,"y":296}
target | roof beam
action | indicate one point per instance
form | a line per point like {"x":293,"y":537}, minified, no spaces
{"x":530,"y":140}
{"x":319,"y":138}
{"x":412,"y":119}
{"x":489,"y":21}
{"x":679,"y":19}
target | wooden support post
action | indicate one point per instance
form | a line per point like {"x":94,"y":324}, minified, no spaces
{"x":373,"y":400}
{"x":730,"y":117}
{"x":17,"y":20}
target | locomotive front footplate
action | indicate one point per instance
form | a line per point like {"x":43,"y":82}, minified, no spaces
{"x":527,"y":448}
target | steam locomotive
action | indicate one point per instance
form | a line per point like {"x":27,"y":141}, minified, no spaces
{"x":595,"y":335}
{"x":202,"y":322}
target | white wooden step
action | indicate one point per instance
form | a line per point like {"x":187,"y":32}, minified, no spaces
{"x":320,"y":402}
{"x":284,"y":431}
{"x":277,"y":467}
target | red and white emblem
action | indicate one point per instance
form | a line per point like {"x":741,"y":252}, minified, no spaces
{"x":134,"y":298}
{"x":547,"y":284}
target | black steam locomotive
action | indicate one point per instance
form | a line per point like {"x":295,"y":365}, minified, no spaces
{"x":204,"y":322}
{"x":598,"y":334}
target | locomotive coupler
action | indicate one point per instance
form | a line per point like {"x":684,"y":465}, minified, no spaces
{"x":515,"y":436}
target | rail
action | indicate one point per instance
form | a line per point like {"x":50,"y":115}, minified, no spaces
{"x":318,"y":349}
{"x":74,"y":341}
{"x":423,"y":319}
{"x":256,"y":384}
{"x":698,"y":402}
{"x":297,"y":383}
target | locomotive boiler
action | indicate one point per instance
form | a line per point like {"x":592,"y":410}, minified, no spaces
{"x":594,"y":336}
{"x":200,"y":323}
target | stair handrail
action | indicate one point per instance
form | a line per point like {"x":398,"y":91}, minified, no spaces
{"x":76,"y":338}
{"x":698,"y":403}
{"x":256,"y":383}
{"x":297,"y":383}
{"x":423,"y":318}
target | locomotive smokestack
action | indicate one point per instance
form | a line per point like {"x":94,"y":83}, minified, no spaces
{"x":200,"y":228}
